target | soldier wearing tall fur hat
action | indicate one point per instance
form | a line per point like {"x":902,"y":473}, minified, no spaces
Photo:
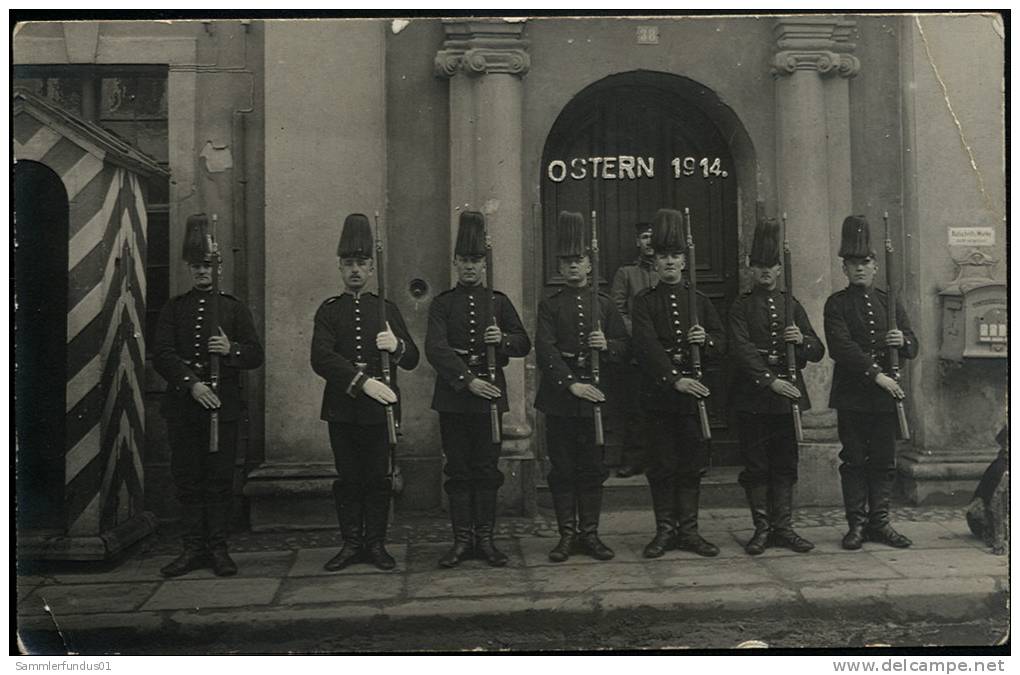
{"x":663,"y":334}
{"x":462,"y":323}
{"x":347,"y":344}
{"x":185,"y":339}
{"x":863,"y":392}
{"x":762,"y":394}
{"x":628,"y":281}
{"x":570,"y":327}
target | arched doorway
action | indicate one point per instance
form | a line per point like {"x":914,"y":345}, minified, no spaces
{"x":40,"y":320}
{"x":636,"y":142}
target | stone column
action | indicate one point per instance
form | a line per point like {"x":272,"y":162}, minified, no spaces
{"x":812,"y":67}
{"x":484,"y":61}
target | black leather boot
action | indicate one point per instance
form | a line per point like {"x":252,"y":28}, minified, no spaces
{"x":687,"y":538}
{"x":783,"y":534}
{"x":485,"y":527}
{"x":217,"y":520}
{"x":349,"y":513}
{"x":855,"y":502}
{"x":758,"y":500}
{"x":566,"y":521}
{"x":665,"y":520}
{"x":589,"y":506}
{"x":463,"y":537}
{"x":194,"y":555}
{"x":377,"y":513}
{"x":878,"y":528}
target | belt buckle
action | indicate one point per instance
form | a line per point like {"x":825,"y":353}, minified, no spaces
{"x":773,"y":359}
{"x":581,"y":361}
{"x":361,"y":365}
{"x":474,"y":359}
{"x":678,"y":358}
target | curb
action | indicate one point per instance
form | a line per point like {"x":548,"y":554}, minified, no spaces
{"x":895,"y":599}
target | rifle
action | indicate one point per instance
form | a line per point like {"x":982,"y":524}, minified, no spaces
{"x":791,"y":349}
{"x":600,"y":438}
{"x":692,"y":313}
{"x":213,"y":254}
{"x":384,"y":356}
{"x":490,"y":350}
{"x":894,"y":354}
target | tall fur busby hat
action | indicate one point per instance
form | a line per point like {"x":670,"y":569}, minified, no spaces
{"x":355,"y":238}
{"x":571,"y":238}
{"x":765,"y":246}
{"x":668,"y":232}
{"x":470,"y":234}
{"x":196,"y":249}
{"x":855,"y":241}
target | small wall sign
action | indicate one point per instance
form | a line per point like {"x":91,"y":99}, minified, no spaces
{"x":648,"y":35}
{"x":972,"y":236}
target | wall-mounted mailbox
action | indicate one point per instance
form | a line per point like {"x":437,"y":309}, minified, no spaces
{"x":975,"y":314}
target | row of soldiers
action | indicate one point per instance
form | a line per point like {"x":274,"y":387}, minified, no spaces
{"x":656,"y":329}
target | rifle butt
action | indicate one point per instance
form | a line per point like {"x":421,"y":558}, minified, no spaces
{"x":494,"y":421}
{"x":797,"y":426}
{"x":600,"y":435}
{"x":901,"y":415}
{"x":706,"y":429}
{"x":214,"y":432}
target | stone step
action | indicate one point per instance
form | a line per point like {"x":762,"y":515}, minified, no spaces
{"x":719,"y":488}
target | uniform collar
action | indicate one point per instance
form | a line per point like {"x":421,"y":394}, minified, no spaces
{"x":645,"y":263}
{"x":861,"y":290}
{"x":356,"y":296}
{"x":470,"y":289}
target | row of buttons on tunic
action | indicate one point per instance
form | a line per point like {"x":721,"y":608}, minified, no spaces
{"x":198,"y":328}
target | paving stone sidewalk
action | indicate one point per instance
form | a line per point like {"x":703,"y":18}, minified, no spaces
{"x":947,"y":573}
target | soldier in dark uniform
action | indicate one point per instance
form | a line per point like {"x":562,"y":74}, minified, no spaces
{"x":461,"y":324}
{"x":185,"y":337}
{"x":348,"y":357}
{"x":563,"y":342}
{"x":762,"y":394}
{"x":662,"y":337}
{"x":628,"y":281}
{"x":863,"y":394}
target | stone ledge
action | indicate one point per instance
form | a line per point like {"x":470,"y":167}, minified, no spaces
{"x":103,"y":546}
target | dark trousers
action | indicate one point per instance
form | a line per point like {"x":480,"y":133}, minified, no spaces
{"x":202,"y":478}
{"x":635,"y":424}
{"x":677,"y":455}
{"x":577,"y":464}
{"x":869,"y":444}
{"x":472,"y":459}
{"x":362,"y":456}
{"x":768,"y":445}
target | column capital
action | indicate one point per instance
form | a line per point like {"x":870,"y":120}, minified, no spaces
{"x":821,"y":44}
{"x":482,"y":47}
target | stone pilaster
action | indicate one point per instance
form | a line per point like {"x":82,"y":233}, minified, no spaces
{"x":485,"y":61}
{"x":811,"y":67}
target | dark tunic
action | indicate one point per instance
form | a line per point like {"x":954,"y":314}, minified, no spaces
{"x":855,"y":328}
{"x":454,"y":346}
{"x":181,"y":353}
{"x":564,"y":322}
{"x":343,"y":351}
{"x":756,"y":345}
{"x":660,"y":323}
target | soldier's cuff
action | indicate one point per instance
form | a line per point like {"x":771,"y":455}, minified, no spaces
{"x":763,"y":379}
{"x":355,"y":386}
{"x":187,"y":381}
{"x":872,"y":372}
{"x":462,"y":380}
{"x":399,"y":352}
{"x":670,"y":379}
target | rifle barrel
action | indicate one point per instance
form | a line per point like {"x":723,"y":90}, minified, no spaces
{"x":791,"y":350}
{"x":384,"y":356}
{"x":600,"y":437}
{"x":490,"y":350}
{"x":894,"y":354}
{"x":214,"y":327}
{"x":692,"y":313}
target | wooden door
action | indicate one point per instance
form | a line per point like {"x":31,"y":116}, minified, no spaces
{"x":663,"y":152}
